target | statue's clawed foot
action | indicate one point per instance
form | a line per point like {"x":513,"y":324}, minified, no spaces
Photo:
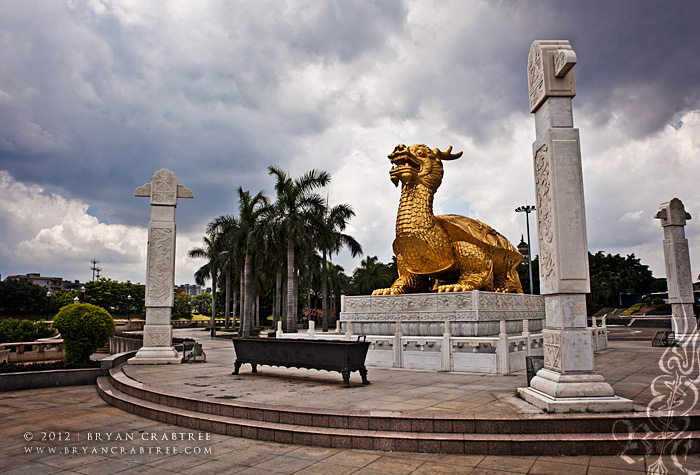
{"x":389,"y":291}
{"x":508,"y":290}
{"x":456,"y":288}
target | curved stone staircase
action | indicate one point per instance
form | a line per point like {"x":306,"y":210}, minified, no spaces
{"x":497,"y":434}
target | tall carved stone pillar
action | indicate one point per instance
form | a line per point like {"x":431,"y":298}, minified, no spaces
{"x":568,"y":380}
{"x":160,"y":268}
{"x":678,"y":276}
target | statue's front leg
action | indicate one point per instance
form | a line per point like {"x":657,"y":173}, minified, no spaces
{"x":475,"y":269}
{"x":407,"y":283}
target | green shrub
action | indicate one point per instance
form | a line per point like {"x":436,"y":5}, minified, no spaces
{"x":634,"y":308}
{"x":657,"y":301}
{"x":13,"y":331}
{"x":662,"y":308}
{"x":271,"y":334}
{"x":84,"y":328}
{"x":43,"y":330}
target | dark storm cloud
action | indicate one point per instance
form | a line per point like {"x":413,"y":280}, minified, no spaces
{"x":97,"y":100}
{"x":96,"y":96}
{"x":640,"y":59}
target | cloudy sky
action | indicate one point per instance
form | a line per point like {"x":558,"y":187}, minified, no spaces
{"x":96,"y":95}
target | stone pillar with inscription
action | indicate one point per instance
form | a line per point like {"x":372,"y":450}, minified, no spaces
{"x":678,"y":276}
{"x":164,"y":191}
{"x":568,"y":380}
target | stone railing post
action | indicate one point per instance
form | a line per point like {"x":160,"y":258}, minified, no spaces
{"x":568,"y":379}
{"x":398,"y":347}
{"x":447,"y":347}
{"x":163,"y":191}
{"x":503,"y":350}
{"x":526,"y":334}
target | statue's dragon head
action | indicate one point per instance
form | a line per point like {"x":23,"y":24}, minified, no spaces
{"x":418,"y":164}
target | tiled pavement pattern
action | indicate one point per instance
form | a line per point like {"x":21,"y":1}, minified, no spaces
{"x":630,"y":367}
{"x":78,"y":411}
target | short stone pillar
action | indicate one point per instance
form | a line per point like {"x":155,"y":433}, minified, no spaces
{"x":446,"y":347}
{"x":278,"y":333}
{"x":568,"y":380}
{"x":397,"y":361}
{"x":164,"y":192}
{"x":678,"y":276}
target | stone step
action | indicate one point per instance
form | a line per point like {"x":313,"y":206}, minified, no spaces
{"x":484,"y":423}
{"x":388,"y":431}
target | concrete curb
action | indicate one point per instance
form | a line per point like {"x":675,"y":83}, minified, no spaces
{"x":60,"y":377}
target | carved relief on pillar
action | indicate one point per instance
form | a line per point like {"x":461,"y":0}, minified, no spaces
{"x":535,"y":75}
{"x":550,"y":71}
{"x":160,"y":267}
{"x":545,"y":214}
{"x":564,"y":60}
{"x":552,"y":349}
{"x":164,"y":188}
{"x":154,"y":337}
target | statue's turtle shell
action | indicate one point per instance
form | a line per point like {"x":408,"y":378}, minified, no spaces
{"x":461,"y":228}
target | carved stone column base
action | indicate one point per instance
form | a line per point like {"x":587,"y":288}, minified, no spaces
{"x":578,"y":392}
{"x":683,"y":322}
{"x":156,"y":355}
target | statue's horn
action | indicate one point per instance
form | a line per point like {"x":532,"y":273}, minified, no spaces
{"x":446,"y":155}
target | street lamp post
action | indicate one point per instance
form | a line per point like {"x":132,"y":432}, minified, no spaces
{"x":82,"y":293}
{"x":76,"y":299}
{"x":128,"y":307}
{"x":48,"y":303}
{"x":527,"y":209}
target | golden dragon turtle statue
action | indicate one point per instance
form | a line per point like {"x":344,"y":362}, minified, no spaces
{"x":459,"y":253}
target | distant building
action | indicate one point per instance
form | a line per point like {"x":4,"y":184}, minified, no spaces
{"x":524,"y":249}
{"x":189,"y":290}
{"x":51,"y":283}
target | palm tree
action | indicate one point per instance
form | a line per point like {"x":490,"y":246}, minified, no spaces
{"x":372,"y":275}
{"x":295,"y":202}
{"x":275,"y":252}
{"x":209,"y":251}
{"x":331,"y":240}
{"x":250,"y":211}
{"x":338,"y":282}
{"x":228,"y":228}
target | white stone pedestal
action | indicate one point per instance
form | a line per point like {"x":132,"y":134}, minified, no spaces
{"x":160,"y":269}
{"x":568,"y":381}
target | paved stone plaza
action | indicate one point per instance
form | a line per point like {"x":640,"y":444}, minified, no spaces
{"x":629,"y":366}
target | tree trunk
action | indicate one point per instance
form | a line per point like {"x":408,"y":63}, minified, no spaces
{"x":333,"y":311}
{"x":291,"y":316}
{"x":278,"y":298}
{"x":324,"y":292}
{"x":212,"y":327}
{"x":308,"y":300}
{"x":283,"y":308}
{"x":248,"y":307}
{"x":227,"y":305}
{"x":233,"y":305}
{"x":295,"y":296}
{"x":257,"y":310}
{"x":241,"y":306}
